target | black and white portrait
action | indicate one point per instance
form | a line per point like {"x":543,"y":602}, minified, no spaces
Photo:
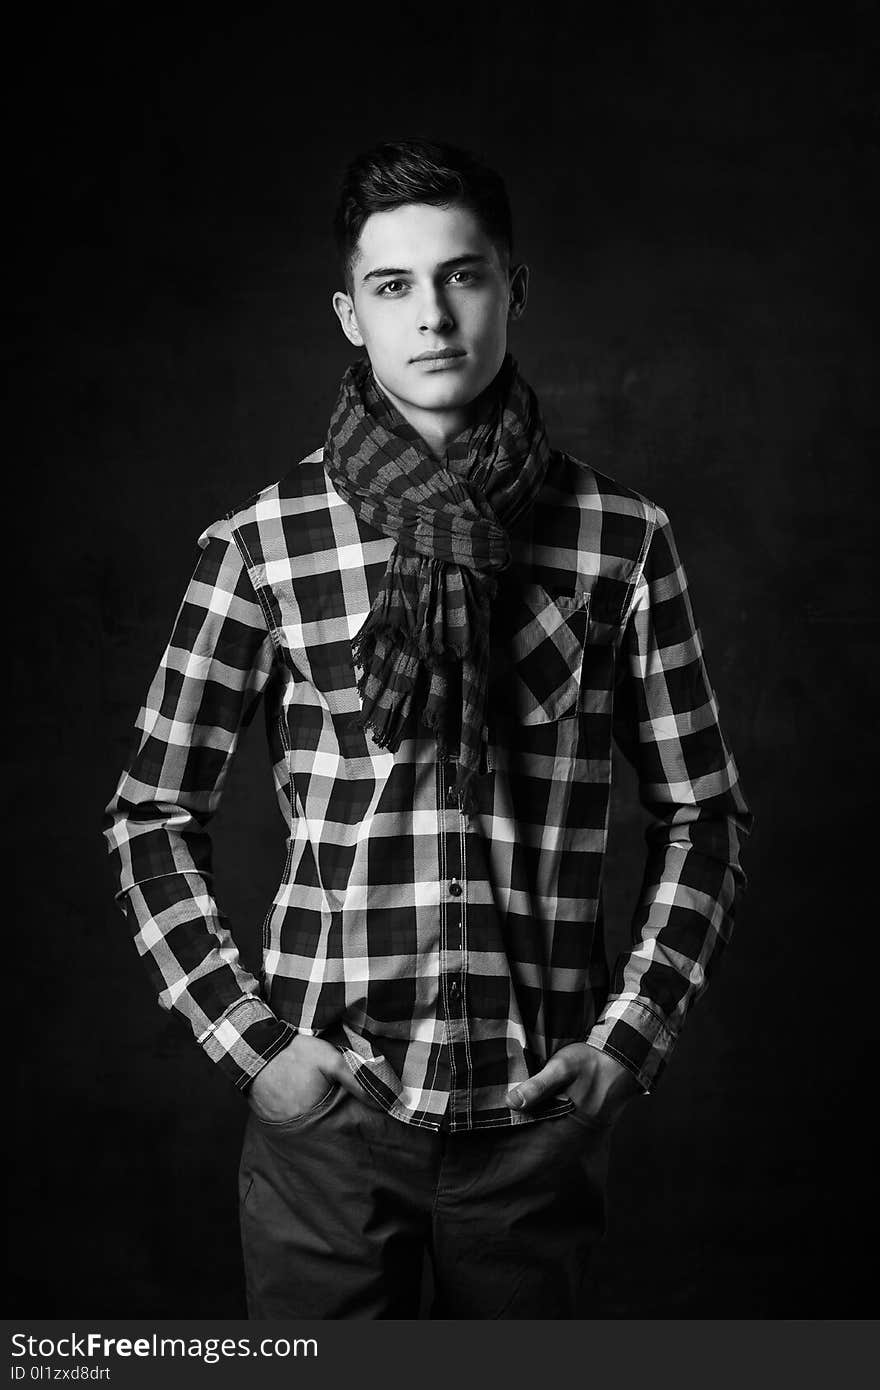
{"x":443,"y":667}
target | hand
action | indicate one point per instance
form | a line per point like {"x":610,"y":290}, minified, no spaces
{"x":298,"y":1077}
{"x":599,"y":1085}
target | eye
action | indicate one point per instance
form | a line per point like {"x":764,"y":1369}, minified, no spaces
{"x":463,"y":277}
{"x":393,"y":287}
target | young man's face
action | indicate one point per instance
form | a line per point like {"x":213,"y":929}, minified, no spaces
{"x":428,"y":281}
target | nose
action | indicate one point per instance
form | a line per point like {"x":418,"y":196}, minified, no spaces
{"x":434,"y":313}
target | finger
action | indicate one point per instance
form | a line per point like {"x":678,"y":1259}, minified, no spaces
{"x":546,"y":1082}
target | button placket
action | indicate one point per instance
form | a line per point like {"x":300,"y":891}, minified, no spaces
{"x":450,"y":773}
{"x":455,"y":931}
{"x":452,"y":898}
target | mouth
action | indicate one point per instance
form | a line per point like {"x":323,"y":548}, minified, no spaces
{"x":440,"y":355}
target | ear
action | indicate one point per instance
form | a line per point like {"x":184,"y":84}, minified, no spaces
{"x":345,"y":313}
{"x":519,"y":291}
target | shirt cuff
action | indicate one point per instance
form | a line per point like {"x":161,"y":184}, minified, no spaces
{"x":636,"y":1036}
{"x":245,"y":1038}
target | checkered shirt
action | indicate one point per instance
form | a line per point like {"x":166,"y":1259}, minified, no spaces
{"x":447,"y":956}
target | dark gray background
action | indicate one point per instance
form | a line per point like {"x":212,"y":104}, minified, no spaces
{"x":695,"y":198}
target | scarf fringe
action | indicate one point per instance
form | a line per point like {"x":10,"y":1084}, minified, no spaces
{"x":388,"y":737}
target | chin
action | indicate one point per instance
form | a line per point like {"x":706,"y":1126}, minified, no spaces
{"x":445,"y":400}
{"x":446,"y":394}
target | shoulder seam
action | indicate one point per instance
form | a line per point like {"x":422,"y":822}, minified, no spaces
{"x":249,"y":567}
{"x":638,"y":570}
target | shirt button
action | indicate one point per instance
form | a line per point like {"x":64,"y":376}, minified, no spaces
{"x":451,"y":794}
{"x":455,"y":888}
{"x":453,"y":990}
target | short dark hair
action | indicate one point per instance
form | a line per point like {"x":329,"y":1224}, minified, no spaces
{"x":397,"y":172}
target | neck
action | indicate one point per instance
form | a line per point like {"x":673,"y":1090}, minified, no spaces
{"x":437,"y":427}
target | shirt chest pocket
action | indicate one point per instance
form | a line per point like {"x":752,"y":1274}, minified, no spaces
{"x":317,"y":648}
{"x":539,"y":659}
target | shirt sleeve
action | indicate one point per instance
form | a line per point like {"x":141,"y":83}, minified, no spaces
{"x":666,"y":722}
{"x":204,"y":693}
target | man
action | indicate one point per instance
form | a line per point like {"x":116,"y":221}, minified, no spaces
{"x":448,"y":621}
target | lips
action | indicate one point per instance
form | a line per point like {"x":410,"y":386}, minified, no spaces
{"x":440,"y":355}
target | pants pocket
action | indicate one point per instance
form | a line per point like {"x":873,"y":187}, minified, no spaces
{"x":303,"y":1116}
{"x":591,"y":1122}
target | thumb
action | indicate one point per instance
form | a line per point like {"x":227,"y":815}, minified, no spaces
{"x":343,"y":1074}
{"x":546,"y":1082}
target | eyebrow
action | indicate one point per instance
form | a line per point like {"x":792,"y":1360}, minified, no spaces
{"x":470,"y":259}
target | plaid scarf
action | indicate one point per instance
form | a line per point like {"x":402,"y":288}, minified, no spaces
{"x":425,"y":642}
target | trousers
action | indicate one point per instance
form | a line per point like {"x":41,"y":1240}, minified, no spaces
{"x":339,"y":1206}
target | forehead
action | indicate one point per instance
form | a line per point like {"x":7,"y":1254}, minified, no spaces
{"x":418,"y":235}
